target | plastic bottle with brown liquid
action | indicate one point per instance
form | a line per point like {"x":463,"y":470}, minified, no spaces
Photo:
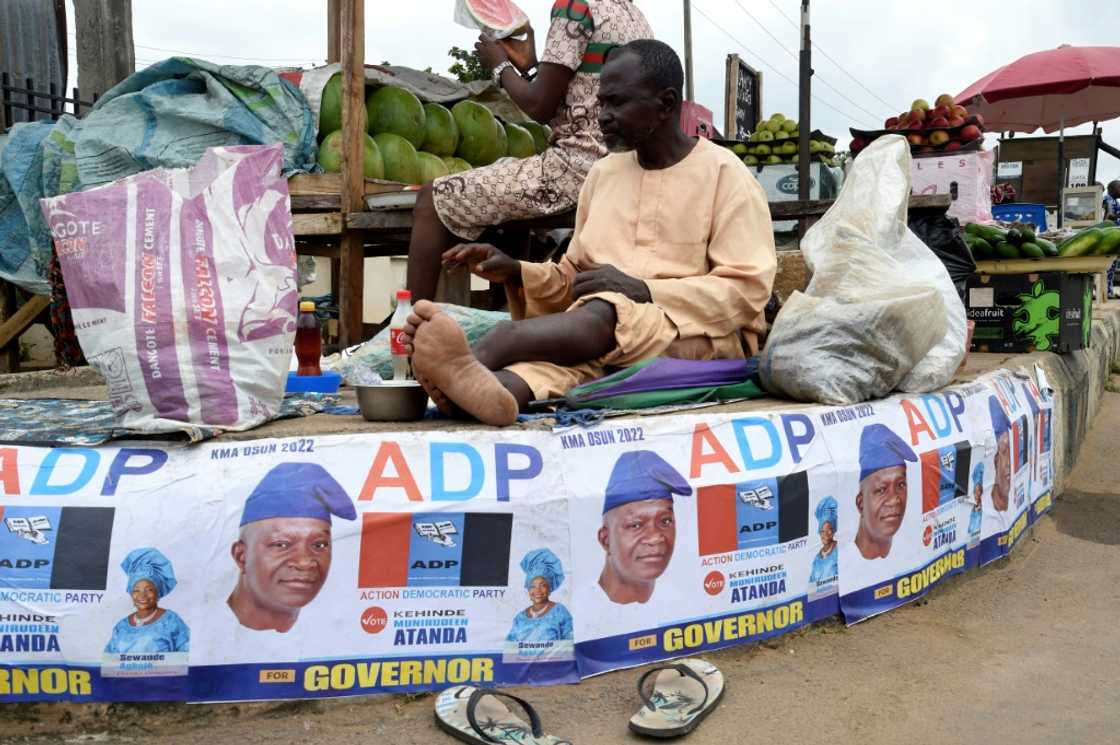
{"x":309,"y":340}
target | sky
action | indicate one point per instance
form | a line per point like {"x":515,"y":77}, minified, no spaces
{"x":872,"y":58}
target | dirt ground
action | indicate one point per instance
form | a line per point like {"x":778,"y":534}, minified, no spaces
{"x":1025,"y":651}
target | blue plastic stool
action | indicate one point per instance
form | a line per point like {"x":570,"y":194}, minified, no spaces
{"x":1034,"y":214}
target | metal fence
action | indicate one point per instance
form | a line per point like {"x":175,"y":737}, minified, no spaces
{"x":22,"y":95}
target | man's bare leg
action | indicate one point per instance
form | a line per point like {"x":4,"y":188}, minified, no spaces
{"x":426,"y":246}
{"x":446,"y":366}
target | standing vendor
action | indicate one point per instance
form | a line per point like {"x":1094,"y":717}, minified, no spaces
{"x":563,"y":91}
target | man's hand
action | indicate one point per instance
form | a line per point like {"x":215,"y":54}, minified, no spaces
{"x":490,"y":52}
{"x":484,"y":260}
{"x":608,"y":279}
{"x":522,"y":53}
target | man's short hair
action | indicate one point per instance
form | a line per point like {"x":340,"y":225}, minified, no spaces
{"x":660,"y":64}
{"x":1114,"y":182}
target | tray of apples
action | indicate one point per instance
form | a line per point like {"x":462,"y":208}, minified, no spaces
{"x":942,"y":128}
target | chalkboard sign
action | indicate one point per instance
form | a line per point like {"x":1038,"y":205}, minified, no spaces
{"x":743,"y":106}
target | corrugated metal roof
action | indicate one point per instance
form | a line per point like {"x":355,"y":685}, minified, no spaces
{"x":29,"y":47}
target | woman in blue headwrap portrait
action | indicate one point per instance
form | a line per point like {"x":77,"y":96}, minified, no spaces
{"x":975,"y":517}
{"x":149,"y":628}
{"x":825,"y":569}
{"x":544,"y":620}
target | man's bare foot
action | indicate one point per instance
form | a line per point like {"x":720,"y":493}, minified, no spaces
{"x":446,"y":406}
{"x":442,"y":356}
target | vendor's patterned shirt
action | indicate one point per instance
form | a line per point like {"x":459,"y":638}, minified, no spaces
{"x":581,"y":33}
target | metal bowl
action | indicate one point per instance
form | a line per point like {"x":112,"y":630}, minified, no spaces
{"x":392,"y":401}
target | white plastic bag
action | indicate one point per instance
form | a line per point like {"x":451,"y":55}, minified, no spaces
{"x":183,"y":288}
{"x":880,"y":313}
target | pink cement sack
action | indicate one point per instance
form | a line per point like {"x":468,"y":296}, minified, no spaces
{"x":183,"y":288}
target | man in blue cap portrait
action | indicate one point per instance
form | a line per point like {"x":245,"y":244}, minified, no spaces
{"x":1001,"y":426}
{"x":881,"y":500}
{"x":283,"y":553}
{"x":639,"y":529}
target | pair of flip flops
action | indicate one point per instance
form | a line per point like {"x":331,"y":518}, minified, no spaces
{"x":676,"y":697}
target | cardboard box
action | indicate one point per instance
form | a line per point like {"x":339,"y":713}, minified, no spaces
{"x":966,"y":177}
{"x":1044,"y":311}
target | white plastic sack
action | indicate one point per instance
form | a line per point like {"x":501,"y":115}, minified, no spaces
{"x":880,"y":313}
{"x":183,"y":288}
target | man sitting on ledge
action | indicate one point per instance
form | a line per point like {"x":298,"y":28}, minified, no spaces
{"x":672,"y":256}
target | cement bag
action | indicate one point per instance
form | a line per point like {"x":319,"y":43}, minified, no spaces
{"x":182,"y":285}
{"x":880,"y":312}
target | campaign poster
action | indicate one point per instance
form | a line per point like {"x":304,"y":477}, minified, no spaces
{"x":1010,"y":428}
{"x":372,"y":564}
{"x":93,"y":606}
{"x":697,"y":532}
{"x":1041,"y":405}
{"x":904,"y":468}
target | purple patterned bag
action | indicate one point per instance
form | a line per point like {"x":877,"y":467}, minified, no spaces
{"x":182,"y":285}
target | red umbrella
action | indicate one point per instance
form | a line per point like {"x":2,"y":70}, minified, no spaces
{"x":1058,"y":88}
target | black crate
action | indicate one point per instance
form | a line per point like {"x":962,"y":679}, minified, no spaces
{"x":1044,"y":312}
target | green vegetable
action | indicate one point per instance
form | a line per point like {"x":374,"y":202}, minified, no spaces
{"x":1028,"y":233}
{"x":991,"y":234}
{"x":980,"y":249}
{"x":1015,"y":237}
{"x":1047,"y":247}
{"x":1081,"y":244}
{"x":1006,"y":250}
{"x":1109,"y":243}
{"x":1032,"y":250}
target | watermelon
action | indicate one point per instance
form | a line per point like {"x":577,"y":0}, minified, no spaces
{"x":431,"y":167}
{"x":399,"y":158}
{"x":456,"y":165}
{"x":395,"y":110}
{"x":521,"y":143}
{"x":330,"y":156}
{"x":501,"y":17}
{"x":540,"y":139}
{"x":330,"y":106}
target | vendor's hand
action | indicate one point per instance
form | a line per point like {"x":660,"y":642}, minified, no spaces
{"x":490,"y":52}
{"x":521,"y":52}
{"x":608,"y":279}
{"x":483,"y":260}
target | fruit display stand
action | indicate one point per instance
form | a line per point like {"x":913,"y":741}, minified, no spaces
{"x":1074,"y":264}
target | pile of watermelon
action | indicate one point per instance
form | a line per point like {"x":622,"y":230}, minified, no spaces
{"x":414,"y":143}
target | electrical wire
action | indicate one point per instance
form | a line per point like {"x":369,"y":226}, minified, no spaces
{"x":775,"y":70}
{"x":827,"y":56}
{"x":816,"y":75}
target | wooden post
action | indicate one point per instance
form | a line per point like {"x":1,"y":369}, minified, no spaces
{"x":352,"y":41}
{"x":105,"y":52}
{"x":333,"y":16}
{"x":689,"y":93}
{"x":804,"y":124}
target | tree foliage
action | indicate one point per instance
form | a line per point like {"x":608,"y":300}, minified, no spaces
{"x":468,"y":67}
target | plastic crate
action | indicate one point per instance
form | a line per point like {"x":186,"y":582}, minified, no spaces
{"x":1034,"y":214}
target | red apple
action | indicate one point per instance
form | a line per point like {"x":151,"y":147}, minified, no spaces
{"x":970,"y":133}
{"x":917,"y":115}
{"x":891,"y":123}
{"x":938,"y":138}
{"x":940,"y":112}
{"x":920,"y":105}
{"x":957,"y":121}
{"x":953,"y":146}
{"x":960,"y":111}
{"x":939,"y":123}
{"x":944,"y":100}
{"x":915,"y":139}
